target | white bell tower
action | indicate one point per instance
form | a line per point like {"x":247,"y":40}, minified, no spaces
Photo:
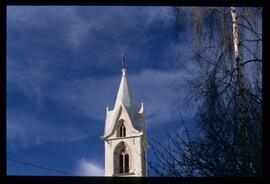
{"x":125,"y":134}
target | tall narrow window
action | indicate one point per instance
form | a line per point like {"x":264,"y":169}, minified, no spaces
{"x":122,"y":131}
{"x":126,"y":163}
{"x":121,"y":169}
{"x":123,"y":162}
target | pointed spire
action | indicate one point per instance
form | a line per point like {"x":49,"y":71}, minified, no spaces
{"x":124,"y":95}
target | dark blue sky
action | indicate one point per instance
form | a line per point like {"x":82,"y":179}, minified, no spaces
{"x":64,"y":69}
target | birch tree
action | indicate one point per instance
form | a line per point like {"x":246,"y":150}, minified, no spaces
{"x":227,"y":44}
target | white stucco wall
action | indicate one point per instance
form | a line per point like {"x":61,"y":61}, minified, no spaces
{"x":134,"y":144}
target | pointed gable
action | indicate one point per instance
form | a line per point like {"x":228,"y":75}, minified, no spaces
{"x":119,"y":113}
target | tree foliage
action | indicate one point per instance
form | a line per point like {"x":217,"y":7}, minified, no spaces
{"x":227,"y":44}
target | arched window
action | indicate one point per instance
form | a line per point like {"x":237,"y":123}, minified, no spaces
{"x":122,"y":131}
{"x":122,"y":159}
{"x":123,"y":162}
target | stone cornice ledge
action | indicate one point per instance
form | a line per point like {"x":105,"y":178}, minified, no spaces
{"x":108,"y":139}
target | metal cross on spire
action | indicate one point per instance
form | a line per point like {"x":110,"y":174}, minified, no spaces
{"x":123,"y":61}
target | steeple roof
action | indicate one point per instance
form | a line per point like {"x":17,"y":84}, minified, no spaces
{"x":124,"y":95}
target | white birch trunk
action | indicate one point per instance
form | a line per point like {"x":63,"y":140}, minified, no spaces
{"x":235,"y":34}
{"x":239,"y":77}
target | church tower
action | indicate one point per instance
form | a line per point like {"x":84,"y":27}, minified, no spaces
{"x":125,"y":134}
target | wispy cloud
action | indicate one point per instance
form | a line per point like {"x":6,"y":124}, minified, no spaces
{"x":80,"y":25}
{"x":89,"y":97}
{"x":77,"y":80}
{"x":161,"y":91}
{"x":87,"y":167}
{"x":25,"y":129}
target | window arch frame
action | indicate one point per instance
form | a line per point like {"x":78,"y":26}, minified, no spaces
{"x":121,"y":148}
